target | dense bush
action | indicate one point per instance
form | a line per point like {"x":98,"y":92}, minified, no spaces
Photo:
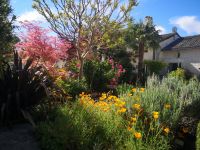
{"x":154,"y":66}
{"x":198,"y":137}
{"x":98,"y":75}
{"x":139,"y":118}
{"x":173,"y":91}
{"x":72,"y":87}
{"x":77,"y":128}
{"x":21,"y":89}
{"x":179,"y":73}
{"x":120,"y":55}
{"x":168,"y":98}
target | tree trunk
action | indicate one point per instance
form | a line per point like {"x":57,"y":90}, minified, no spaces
{"x":140,"y":60}
{"x":81,"y":68}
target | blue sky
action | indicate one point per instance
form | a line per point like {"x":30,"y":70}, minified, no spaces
{"x":184,"y":14}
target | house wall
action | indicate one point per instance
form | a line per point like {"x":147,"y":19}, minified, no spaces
{"x":164,"y":44}
{"x":148,"y":55}
{"x":189,"y":59}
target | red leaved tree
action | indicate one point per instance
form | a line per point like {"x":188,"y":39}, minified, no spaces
{"x":46,"y":50}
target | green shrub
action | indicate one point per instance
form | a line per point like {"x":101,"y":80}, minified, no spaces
{"x":198,"y":137}
{"x":124,"y":88}
{"x":120,"y":55}
{"x":172,"y":91}
{"x":98,"y":75}
{"x":78,"y":128}
{"x":73,"y":87}
{"x":154,"y":66}
{"x":179,"y":73}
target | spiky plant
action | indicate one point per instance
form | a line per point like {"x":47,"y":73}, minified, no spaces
{"x":21,"y":88}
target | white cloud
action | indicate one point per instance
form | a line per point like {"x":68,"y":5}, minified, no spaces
{"x":161,"y":29}
{"x":190,"y":24}
{"x":31,"y":16}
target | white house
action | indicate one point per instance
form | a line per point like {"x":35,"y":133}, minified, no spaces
{"x":178,"y":51}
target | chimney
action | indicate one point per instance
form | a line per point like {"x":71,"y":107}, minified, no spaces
{"x":174,"y":30}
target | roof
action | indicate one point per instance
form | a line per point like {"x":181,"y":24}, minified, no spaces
{"x":166,"y":36}
{"x":184,"y":43}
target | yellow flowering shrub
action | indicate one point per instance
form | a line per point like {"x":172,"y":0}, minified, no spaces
{"x":139,"y":122}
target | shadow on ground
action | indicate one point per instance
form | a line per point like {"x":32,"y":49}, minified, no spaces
{"x":19,"y":137}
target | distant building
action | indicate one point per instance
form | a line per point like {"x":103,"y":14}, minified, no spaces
{"x":178,"y":51}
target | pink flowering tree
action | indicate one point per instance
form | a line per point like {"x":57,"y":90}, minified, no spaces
{"x":46,"y":50}
{"x":118,"y":69}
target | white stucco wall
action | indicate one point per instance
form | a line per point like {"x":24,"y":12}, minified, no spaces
{"x":189,"y":59}
{"x":164,"y":44}
{"x":148,"y":55}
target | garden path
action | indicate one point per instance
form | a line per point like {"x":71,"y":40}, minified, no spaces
{"x":19,"y":137}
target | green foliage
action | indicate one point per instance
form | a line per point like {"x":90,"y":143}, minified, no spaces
{"x":124,"y":88}
{"x":98,"y":75}
{"x":78,"y":128}
{"x":172,"y":91}
{"x":73,"y":87}
{"x":140,"y":32}
{"x":198,"y":137}
{"x":21,"y":88}
{"x":141,"y":36}
{"x":96,"y":29}
{"x":179,"y":73}
{"x":120,"y":55}
{"x":154,"y":66}
{"x":6,"y":27}
{"x":72,"y":66}
{"x":170,"y":97}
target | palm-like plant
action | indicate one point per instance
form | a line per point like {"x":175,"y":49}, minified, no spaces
{"x":141,"y":36}
{"x":21,"y":88}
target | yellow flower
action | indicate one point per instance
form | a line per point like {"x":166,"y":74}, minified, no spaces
{"x":166,"y":130}
{"x":129,"y":94}
{"x":167,"y":106}
{"x":155,"y":115}
{"x":133,"y":119}
{"x":82,"y":94}
{"x":136,"y":106}
{"x":110,"y":98}
{"x":133,"y":89}
{"x":138,"y":135}
{"x":129,"y":128}
{"x":142,"y":89}
{"x":122,"y":110}
{"x":106,"y":109}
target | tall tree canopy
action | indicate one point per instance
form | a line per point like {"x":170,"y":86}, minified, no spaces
{"x":6,"y":27}
{"x":87,"y":24}
{"x":141,"y":36}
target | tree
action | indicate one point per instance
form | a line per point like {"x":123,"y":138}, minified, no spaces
{"x":87,"y":24}
{"x":6,"y":27}
{"x":45,"y":50}
{"x":140,"y":36}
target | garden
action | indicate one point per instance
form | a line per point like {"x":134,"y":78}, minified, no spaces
{"x":79,"y":87}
